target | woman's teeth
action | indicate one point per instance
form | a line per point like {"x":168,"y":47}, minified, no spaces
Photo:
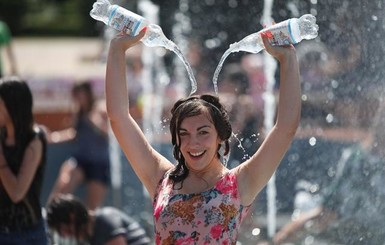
{"x":196,"y":154}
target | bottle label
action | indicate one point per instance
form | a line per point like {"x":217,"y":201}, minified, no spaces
{"x":280,"y":34}
{"x":124,"y":20}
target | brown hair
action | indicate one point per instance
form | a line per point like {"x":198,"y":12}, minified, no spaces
{"x":86,"y":88}
{"x":67,"y":209}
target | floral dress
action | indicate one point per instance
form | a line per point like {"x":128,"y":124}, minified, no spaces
{"x":210,"y":217}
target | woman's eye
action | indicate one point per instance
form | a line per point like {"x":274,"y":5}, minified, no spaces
{"x":203,"y":132}
{"x":182,"y":133}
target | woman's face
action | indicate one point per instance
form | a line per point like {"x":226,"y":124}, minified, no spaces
{"x":4,"y":116}
{"x":81,"y":99}
{"x":198,"y":141}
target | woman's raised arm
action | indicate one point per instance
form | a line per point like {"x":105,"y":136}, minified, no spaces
{"x":256,"y":172}
{"x":147,"y":163}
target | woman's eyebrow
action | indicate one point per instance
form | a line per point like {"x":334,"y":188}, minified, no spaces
{"x":199,"y":128}
{"x":204,"y":126}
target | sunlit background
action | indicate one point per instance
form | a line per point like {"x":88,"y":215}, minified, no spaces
{"x":57,"y":43}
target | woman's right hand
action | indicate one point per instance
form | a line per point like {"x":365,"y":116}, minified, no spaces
{"x":124,"y":41}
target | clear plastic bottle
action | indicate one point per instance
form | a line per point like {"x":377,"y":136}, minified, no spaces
{"x":131,"y":23}
{"x":290,"y":31}
{"x":124,"y":20}
{"x":286,"y":32}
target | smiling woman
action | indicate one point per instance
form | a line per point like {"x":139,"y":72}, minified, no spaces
{"x":199,"y":200}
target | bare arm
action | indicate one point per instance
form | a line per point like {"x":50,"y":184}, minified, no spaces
{"x":320,"y":217}
{"x":99,"y":117}
{"x":147,"y":163}
{"x":256,"y":172}
{"x":17,"y":185}
{"x":61,"y":136}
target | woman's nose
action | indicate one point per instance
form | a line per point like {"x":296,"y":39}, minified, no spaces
{"x":194,"y":141}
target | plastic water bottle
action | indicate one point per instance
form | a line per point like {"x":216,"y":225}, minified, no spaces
{"x":131,"y":23}
{"x":290,"y":31}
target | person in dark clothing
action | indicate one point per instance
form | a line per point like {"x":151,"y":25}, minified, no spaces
{"x":351,"y":210}
{"x":22,"y":162}
{"x":90,"y":161}
{"x":68,"y":217}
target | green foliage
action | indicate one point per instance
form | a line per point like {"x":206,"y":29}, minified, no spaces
{"x":49,"y":17}
{"x":12,"y":13}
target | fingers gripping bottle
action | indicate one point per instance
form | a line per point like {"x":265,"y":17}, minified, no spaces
{"x":290,"y":31}
{"x":129,"y":22}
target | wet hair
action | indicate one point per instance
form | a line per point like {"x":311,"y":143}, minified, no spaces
{"x":69,"y":210}
{"x":193,"y":106}
{"x":86,"y":88}
{"x":17,"y":98}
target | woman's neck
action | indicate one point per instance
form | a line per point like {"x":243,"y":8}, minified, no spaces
{"x":212,"y":171}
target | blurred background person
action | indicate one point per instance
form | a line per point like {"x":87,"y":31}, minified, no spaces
{"x":351,"y":209}
{"x":22,"y":162}
{"x":254,"y":66}
{"x":68,"y":217}
{"x":246,"y":118}
{"x":90,"y":162}
{"x":6,"y":43}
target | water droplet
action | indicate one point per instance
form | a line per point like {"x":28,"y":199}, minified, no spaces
{"x":312,"y":141}
{"x":329,"y":118}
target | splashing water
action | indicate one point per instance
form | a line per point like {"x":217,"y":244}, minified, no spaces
{"x":156,"y":38}
{"x":181,"y":31}
{"x":219,"y":68}
{"x":174,"y":48}
{"x":153,"y":70}
{"x":239,"y":141}
{"x":270,"y":68}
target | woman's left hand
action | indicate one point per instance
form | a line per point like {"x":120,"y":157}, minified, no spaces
{"x":278,"y":52}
